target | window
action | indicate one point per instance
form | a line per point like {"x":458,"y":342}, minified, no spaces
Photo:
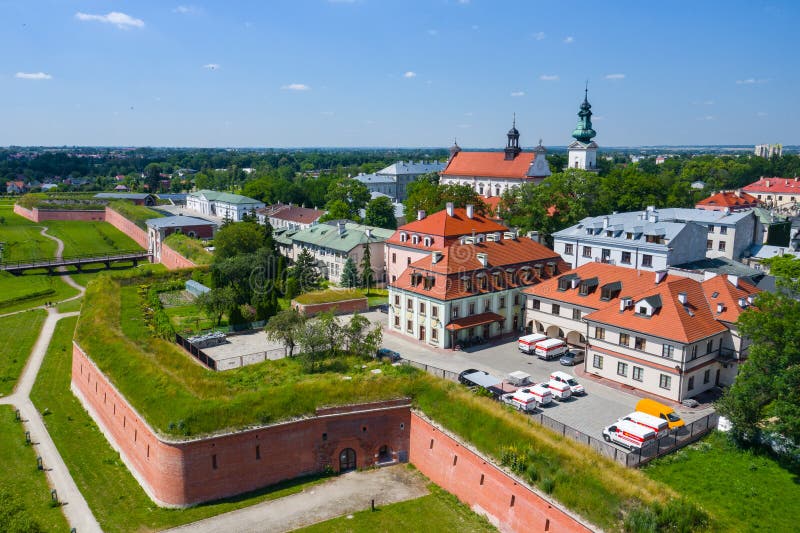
{"x":435,"y":334}
{"x":694,"y":352}
{"x":723,"y":230}
{"x":721,"y":246}
{"x":394,"y":258}
{"x":567,"y":249}
{"x":626,"y":258}
{"x":536,"y":304}
{"x":502,"y":302}
{"x":422,"y":308}
{"x":427,"y":241}
{"x":667,"y":351}
{"x":597,"y":361}
{"x":454,"y":312}
{"x":214,"y":461}
{"x":599,"y":333}
{"x":472,"y":308}
{"x":483,"y":282}
{"x":487,"y":305}
{"x":394,"y":278}
{"x":605,"y":254}
{"x":665,"y":381}
{"x":435,"y":311}
{"x":415,"y":239}
{"x":622,"y":369}
{"x":624,"y":339}
{"x":587,"y":251}
{"x":403,"y":237}
{"x":410,"y":304}
{"x":516,"y":299}
{"x":711,"y":228}
{"x":640,"y":343}
{"x":707,"y":376}
{"x":258,"y":452}
{"x":710,"y":346}
{"x":397,"y":321}
{"x":410,"y":326}
{"x":638,"y":373}
{"x":576,"y":314}
{"x":647,"y":260}
{"x":397,"y":300}
{"x":408,"y":261}
{"x":555,"y":309}
{"x":709,"y":244}
{"x":690,"y":385}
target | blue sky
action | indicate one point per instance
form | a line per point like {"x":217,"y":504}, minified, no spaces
{"x":395,"y":73}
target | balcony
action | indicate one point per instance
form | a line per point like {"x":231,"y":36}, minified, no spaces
{"x":728,"y":355}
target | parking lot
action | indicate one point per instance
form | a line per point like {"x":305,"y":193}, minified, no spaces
{"x":601,"y":406}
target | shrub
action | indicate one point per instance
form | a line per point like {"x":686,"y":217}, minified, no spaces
{"x":678,"y":515}
{"x":190,"y":248}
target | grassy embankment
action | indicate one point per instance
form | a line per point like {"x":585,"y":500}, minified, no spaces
{"x":191,"y":249}
{"x":178,"y":397}
{"x":438,"y":511}
{"x":23,"y":328}
{"x":376,"y":296}
{"x":138,"y":214}
{"x":24,"y":492}
{"x":743,"y":490}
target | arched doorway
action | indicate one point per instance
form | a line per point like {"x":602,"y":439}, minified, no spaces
{"x":347,"y":460}
{"x":539,"y":327}
{"x":576,"y":339}
{"x":384,"y":454}
{"x":555,"y":332}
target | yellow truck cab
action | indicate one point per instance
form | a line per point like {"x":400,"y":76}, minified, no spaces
{"x":664,"y":412}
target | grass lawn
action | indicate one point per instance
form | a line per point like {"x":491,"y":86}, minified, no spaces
{"x":88,"y":273}
{"x":742,"y":490}
{"x":24,"y":328}
{"x":116,"y":499}
{"x":192,"y":249}
{"x":188,"y":319}
{"x":330,"y":295}
{"x":30,"y":290}
{"x":70,"y":306}
{"x":438,"y":511}
{"x":137,"y":214}
{"x":23,"y":481}
{"x":89,"y":238}
{"x":22,"y":239}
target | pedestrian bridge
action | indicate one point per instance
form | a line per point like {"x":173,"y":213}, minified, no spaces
{"x":18,"y":267}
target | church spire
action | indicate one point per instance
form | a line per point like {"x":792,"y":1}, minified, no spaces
{"x":583,"y":131}
{"x":512,"y":145}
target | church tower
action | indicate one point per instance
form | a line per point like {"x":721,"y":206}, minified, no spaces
{"x":540,"y":169}
{"x":583,"y":150}
{"x":512,"y":145}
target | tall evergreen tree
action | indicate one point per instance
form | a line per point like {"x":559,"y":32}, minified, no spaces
{"x":305,"y":272}
{"x":367,"y":275}
{"x":350,"y":277}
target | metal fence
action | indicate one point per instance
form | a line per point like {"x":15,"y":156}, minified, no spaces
{"x":662,"y":446}
{"x":237,"y":361}
{"x":195,"y":352}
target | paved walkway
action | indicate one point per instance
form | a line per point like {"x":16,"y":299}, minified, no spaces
{"x":343,"y":495}
{"x":75,"y":507}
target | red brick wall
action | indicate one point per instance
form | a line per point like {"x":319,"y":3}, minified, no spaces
{"x":182,"y":473}
{"x":39,"y":215}
{"x":508,"y":503}
{"x":173,"y":260}
{"x":345,"y":306}
{"x":127,"y":227}
{"x":201,"y":232}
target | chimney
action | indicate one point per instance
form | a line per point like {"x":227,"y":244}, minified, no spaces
{"x":484,"y":259}
{"x":734,"y":280}
{"x":369,"y":233}
{"x":341,"y":227}
{"x":605,"y":222}
{"x":497,"y":236}
{"x":682,"y":298}
{"x":435,"y":257}
{"x":738,"y":193}
{"x":449,"y":208}
{"x":624,"y":303}
{"x":420,"y":214}
{"x":660,"y":275}
{"x":653,"y":217}
{"x":720,"y":308}
{"x":574,"y":282}
{"x":470,"y":211}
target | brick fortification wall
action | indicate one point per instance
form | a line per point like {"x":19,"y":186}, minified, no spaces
{"x":343,"y":307}
{"x":127,"y":227}
{"x":508,"y":503}
{"x":37,"y":215}
{"x":173,"y":260}
{"x":182,"y":473}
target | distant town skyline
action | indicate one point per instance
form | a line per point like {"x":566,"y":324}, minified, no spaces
{"x":368,"y":73}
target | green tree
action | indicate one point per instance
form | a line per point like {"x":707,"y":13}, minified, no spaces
{"x":152,"y":177}
{"x":352,"y":193}
{"x":312,"y":336}
{"x":350,"y":278}
{"x":285,"y":327}
{"x":238,"y":238}
{"x":359,"y":339}
{"x":380,"y":213}
{"x":367,"y":274}
{"x":338,"y":210}
{"x":305,"y":271}
{"x":217,"y":302}
{"x":333,"y":331}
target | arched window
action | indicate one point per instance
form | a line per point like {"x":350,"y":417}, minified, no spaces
{"x":192,"y":234}
{"x":403,"y":237}
{"x":347,"y":460}
{"x":415,"y":239}
{"x":427,"y":241}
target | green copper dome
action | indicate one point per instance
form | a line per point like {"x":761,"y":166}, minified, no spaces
{"x":583,"y":131}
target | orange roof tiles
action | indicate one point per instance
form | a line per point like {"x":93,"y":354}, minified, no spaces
{"x":492,"y":203}
{"x":774,"y":185}
{"x":474,"y":320}
{"x":489,"y":164}
{"x":720,"y":290}
{"x":506,"y":252}
{"x":440,"y":224}
{"x":729,"y":199}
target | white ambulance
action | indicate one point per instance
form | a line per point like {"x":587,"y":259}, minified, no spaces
{"x":550,"y":348}
{"x":542,"y":392}
{"x":524,"y":400}
{"x":661,"y":427}
{"x":563,"y":377}
{"x":561,"y":391}
{"x":527,"y":344}
{"x":629,"y":435}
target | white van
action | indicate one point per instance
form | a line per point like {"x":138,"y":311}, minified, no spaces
{"x":629,"y":434}
{"x":661,"y":427}
{"x":524,"y":400}
{"x":543,"y":393}
{"x":550,"y":348}
{"x":563,"y":377}
{"x":561,"y":391}
{"x":527,"y":344}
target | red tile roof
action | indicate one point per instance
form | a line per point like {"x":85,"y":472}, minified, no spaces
{"x":492,"y":203}
{"x":440,"y":224}
{"x":474,"y":320}
{"x":719,"y":289}
{"x":489,"y":164}
{"x":729,"y":199}
{"x":292,"y":213}
{"x":774,"y":185}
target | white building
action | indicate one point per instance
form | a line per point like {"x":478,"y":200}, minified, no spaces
{"x":222,"y":204}
{"x":583,"y":150}
{"x":394,"y":179}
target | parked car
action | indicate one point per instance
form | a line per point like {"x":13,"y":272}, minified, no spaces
{"x":659,"y":410}
{"x":572,"y":358}
{"x":563,"y":377}
{"x":464,"y":373}
{"x":629,"y":435}
{"x":550,"y":349}
{"x":386,"y":353}
{"x":561,"y":391}
{"x":383,"y":308}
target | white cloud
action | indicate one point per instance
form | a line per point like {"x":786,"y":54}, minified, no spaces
{"x":33,"y":76}
{"x":410,"y":74}
{"x":120,"y":20}
{"x":433,"y":33}
{"x":569,"y":40}
{"x":211,"y":66}
{"x":761,"y":114}
{"x":549,"y":77}
{"x":187,"y":10}
{"x":296,"y":87}
{"x":751,"y":81}
{"x":615,"y":76}
{"x":539,"y":36}
{"x":518,"y":93}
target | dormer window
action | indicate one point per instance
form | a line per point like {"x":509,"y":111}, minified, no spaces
{"x":403,"y":237}
{"x":587,"y":286}
{"x":427,"y":241}
{"x":430,"y":281}
{"x":610,"y":290}
{"x":415,"y":239}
